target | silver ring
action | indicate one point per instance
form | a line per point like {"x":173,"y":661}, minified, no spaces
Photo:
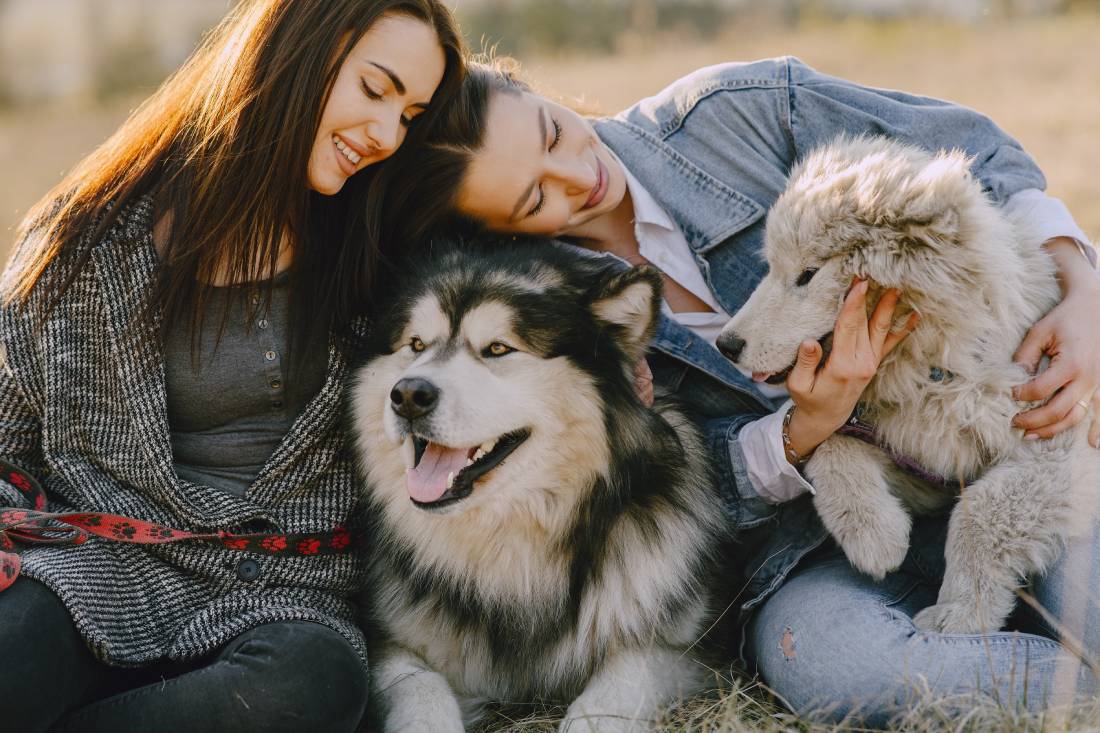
{"x":1083,"y":404}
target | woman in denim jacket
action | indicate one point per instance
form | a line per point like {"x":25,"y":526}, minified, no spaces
{"x":683,"y":180}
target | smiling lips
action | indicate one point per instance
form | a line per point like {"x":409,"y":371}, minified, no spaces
{"x":349,"y":154}
{"x":600,"y":189}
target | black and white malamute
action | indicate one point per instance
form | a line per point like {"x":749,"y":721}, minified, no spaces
{"x":541,"y":534}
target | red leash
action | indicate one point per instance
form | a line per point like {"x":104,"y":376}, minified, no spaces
{"x":31,"y":527}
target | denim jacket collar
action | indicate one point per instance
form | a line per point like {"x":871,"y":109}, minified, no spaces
{"x":707,"y":210}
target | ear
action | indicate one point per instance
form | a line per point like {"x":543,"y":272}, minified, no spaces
{"x":631,"y":300}
{"x":935,"y":199}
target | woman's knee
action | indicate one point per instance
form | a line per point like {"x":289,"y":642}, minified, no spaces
{"x":47,"y":667}
{"x":303,"y":671}
{"x":829,"y":642}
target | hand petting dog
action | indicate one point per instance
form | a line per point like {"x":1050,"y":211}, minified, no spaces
{"x":825,"y":398}
{"x":1068,"y":335}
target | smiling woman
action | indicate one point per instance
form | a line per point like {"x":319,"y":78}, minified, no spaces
{"x":178,"y":318}
{"x":386,"y":82}
{"x":686,"y":180}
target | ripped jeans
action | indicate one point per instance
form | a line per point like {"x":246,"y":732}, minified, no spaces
{"x":831,"y":642}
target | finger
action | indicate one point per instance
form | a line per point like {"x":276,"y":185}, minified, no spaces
{"x":643,"y":382}
{"x":1094,"y":414}
{"x":896,"y":337}
{"x":1063,"y":406}
{"x":1075,"y":416}
{"x":802,"y":377}
{"x":1034,"y":344}
{"x":882,"y":319}
{"x":1060,"y":373}
{"x":852,"y":320}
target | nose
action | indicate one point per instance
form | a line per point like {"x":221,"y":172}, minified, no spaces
{"x":731,"y":345}
{"x":387,"y":133}
{"x":413,"y":397}
{"x":576,"y":175}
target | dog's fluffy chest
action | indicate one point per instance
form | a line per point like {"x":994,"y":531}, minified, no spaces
{"x":950,"y":423}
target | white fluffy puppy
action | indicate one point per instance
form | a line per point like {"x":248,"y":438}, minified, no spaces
{"x":908,"y":219}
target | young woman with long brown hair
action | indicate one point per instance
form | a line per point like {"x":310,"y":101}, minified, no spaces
{"x":683,"y":180}
{"x":176,"y":327}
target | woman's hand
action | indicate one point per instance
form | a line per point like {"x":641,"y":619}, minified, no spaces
{"x":643,"y":382}
{"x":826,"y":398}
{"x":1070,"y":337}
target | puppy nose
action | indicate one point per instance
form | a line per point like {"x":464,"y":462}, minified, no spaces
{"x":731,"y":346}
{"x":414,"y":397}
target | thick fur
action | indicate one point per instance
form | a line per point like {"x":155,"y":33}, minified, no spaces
{"x":918,"y":222}
{"x":578,"y":570}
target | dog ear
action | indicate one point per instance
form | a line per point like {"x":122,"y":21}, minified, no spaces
{"x":931,"y":215}
{"x":630,"y":299}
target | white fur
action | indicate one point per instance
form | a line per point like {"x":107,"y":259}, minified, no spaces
{"x":918,"y":222}
{"x":508,"y":542}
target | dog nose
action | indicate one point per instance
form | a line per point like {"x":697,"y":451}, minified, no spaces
{"x":731,"y":346}
{"x":414,"y":397}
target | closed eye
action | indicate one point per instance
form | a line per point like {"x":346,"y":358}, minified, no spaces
{"x":806,"y":276}
{"x":557,"y":135}
{"x":538,"y":204}
{"x":369,"y":91}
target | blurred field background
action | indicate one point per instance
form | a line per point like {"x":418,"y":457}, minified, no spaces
{"x":71,"y":70}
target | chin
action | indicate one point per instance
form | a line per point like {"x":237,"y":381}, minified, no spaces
{"x":328,"y":186}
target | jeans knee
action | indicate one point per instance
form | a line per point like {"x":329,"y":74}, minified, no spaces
{"x":308,"y":676}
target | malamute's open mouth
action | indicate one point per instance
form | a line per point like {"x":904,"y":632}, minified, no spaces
{"x":826,"y":342}
{"x":438,"y":476}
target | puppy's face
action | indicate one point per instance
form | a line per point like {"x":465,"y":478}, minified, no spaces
{"x":868,"y":207}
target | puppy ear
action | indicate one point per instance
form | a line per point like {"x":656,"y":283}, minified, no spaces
{"x":632,"y":301}
{"x":935,"y":198}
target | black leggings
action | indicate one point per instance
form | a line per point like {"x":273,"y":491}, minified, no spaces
{"x":291,"y":676}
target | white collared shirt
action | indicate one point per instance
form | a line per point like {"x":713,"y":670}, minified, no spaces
{"x":662,"y":243}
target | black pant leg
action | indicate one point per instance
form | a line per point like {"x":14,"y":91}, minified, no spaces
{"x":294,"y":676}
{"x":46,"y":669}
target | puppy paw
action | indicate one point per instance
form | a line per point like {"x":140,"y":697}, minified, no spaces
{"x":876,"y":549}
{"x":954,"y":618}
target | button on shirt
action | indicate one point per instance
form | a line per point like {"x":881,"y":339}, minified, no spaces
{"x":661,"y":243}
{"x":228,"y":413}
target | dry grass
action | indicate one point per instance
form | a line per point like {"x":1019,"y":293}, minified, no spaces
{"x":742,"y":707}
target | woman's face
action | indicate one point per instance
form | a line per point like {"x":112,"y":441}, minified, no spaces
{"x":541,"y":170}
{"x":386,"y":81}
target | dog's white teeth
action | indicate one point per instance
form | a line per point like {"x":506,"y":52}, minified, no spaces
{"x":487,"y":446}
{"x":450,"y":479}
{"x":408,"y":452}
{"x":469,"y":461}
{"x":478,"y":455}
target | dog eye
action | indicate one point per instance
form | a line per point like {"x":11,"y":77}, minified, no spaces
{"x":416,"y":344}
{"x":497,"y":349}
{"x":805,"y":277}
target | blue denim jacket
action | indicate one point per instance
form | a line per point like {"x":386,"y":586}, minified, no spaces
{"x":715,"y":149}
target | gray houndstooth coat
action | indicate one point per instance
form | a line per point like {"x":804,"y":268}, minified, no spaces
{"x":82,"y":406}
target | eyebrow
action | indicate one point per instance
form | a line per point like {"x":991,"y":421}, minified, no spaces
{"x":397,"y":84}
{"x":527,"y":193}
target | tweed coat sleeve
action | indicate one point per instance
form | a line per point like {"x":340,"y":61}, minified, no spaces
{"x":20,"y":435}
{"x":83,"y":405}
{"x":20,"y":423}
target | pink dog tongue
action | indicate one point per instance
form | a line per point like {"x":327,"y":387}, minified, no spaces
{"x":428,"y":481}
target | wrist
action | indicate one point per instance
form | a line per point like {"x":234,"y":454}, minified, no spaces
{"x":803,"y":433}
{"x":1075,"y":270}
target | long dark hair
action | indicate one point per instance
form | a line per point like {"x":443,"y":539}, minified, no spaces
{"x":225,"y":144}
{"x":423,"y":206}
